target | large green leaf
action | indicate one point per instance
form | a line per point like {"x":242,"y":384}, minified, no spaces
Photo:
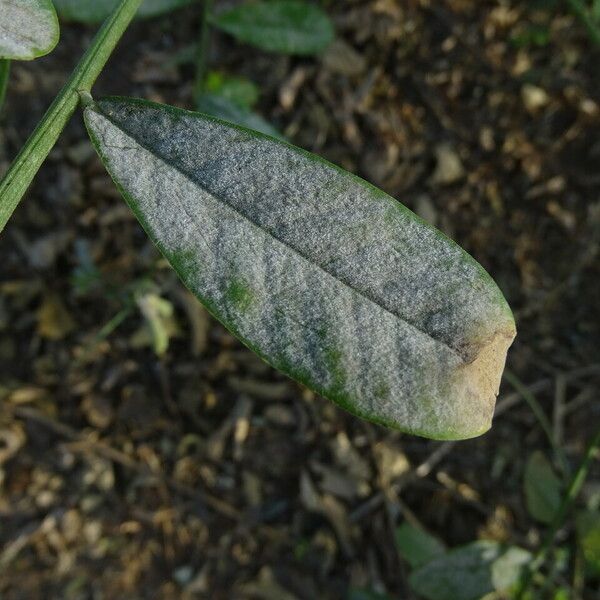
{"x":28,"y":29}
{"x":470,"y":572}
{"x":542,"y":488}
{"x":286,"y":26}
{"x":95,"y":11}
{"x":326,"y":277}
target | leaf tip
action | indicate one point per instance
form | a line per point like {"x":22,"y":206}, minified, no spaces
{"x":478,"y":381}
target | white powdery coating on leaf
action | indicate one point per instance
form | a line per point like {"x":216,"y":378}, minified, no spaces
{"x":328,"y":278}
{"x":28,"y":28}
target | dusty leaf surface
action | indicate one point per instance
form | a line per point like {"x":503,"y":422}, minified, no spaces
{"x":28,"y":29}
{"x":324,"y":276}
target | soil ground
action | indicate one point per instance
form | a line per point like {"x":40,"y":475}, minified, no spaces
{"x":206,"y":474}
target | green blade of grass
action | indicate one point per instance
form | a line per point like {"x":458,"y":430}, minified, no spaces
{"x":540,"y":415}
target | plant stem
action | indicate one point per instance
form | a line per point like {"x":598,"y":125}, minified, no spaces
{"x":581,"y":12}
{"x":27,"y":163}
{"x":573,"y":490}
{"x":203,"y":47}
{"x":4,"y":73}
{"x":540,"y":415}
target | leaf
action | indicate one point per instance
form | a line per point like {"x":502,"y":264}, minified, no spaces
{"x":324,"y":276}
{"x":286,"y":26}
{"x":95,"y":11}
{"x":238,"y":90}
{"x":223,"y":108}
{"x":588,"y":533}
{"x":28,"y":29}
{"x":562,"y":594}
{"x":161,"y":325}
{"x":417,"y":546}
{"x":542,"y":488}
{"x":470,"y":572}
{"x":532,"y":35}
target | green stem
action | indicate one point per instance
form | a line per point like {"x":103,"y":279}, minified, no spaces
{"x":25,"y":166}
{"x":573,"y":490}
{"x":113,"y":323}
{"x":579,"y":9}
{"x":203,"y":47}
{"x":4,"y":73}
{"x":540,"y":415}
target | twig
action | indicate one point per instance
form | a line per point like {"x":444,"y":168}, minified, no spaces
{"x":434,"y":458}
{"x":14,"y":547}
{"x":567,"y":502}
{"x":509,"y":400}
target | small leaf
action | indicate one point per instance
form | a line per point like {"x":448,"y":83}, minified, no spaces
{"x":95,"y":11}
{"x":542,"y":488}
{"x":562,"y":594}
{"x":532,"y":35}
{"x":286,"y":26}
{"x":324,"y":276}
{"x":239,"y":90}
{"x":417,"y":546}
{"x":28,"y":29}
{"x":470,"y":572}
{"x":507,"y":568}
{"x":588,"y":533}
{"x":223,"y":108}
{"x":161,"y":325}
